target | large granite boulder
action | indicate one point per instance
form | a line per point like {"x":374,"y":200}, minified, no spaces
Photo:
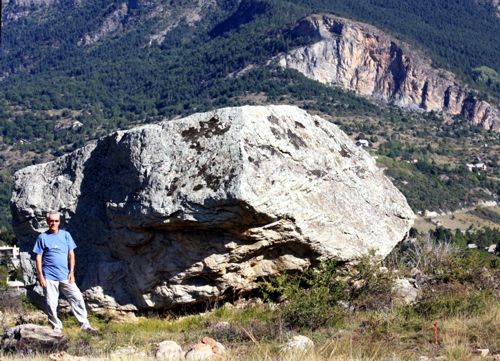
{"x":201,"y":207}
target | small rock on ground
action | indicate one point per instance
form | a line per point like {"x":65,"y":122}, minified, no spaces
{"x":299,"y":344}
{"x":200,"y":352}
{"x":169,"y":351}
{"x":207,"y":349}
{"x":404,"y":291}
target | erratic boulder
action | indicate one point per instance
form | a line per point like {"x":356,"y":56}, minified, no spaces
{"x":201,"y":207}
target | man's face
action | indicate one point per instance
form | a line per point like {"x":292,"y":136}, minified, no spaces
{"x":53,"y":221}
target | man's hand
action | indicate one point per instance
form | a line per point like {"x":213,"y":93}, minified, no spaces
{"x":39,"y":272}
{"x":71,"y":265}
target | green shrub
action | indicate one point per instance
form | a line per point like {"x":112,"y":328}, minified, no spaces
{"x":311,"y":297}
{"x":4,"y":274}
{"x":311,"y":308}
{"x":371,"y":287}
{"x":453,"y":302}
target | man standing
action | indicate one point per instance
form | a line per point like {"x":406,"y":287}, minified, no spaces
{"x":55,"y":266}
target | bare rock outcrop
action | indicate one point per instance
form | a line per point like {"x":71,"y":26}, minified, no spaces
{"x":201,"y":207}
{"x":167,"y":16}
{"x":172,"y":17}
{"x":361,"y":58}
{"x":14,"y":10}
{"x":113,"y":23}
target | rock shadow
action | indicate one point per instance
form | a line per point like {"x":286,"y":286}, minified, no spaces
{"x":155,"y":261}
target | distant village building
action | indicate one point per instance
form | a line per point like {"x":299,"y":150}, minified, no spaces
{"x":362,"y":143}
{"x":492,"y":249}
{"x":77,"y":124}
{"x":67,"y":124}
{"x":430,"y":214}
{"x":10,"y":255}
{"x":478,"y":166}
{"x":412,"y":161}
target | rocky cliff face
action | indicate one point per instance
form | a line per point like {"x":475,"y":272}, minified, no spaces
{"x":117,"y":18}
{"x":13,"y":10}
{"x":360,"y":57}
{"x":166,"y":16}
{"x":201,"y":207}
{"x":112,"y":23}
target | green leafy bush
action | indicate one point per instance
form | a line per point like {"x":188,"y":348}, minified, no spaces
{"x":311,"y":297}
{"x":371,"y":285}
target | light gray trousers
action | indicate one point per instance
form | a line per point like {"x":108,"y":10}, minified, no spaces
{"x":74,"y":297}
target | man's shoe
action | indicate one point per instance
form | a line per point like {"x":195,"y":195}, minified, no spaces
{"x":89,"y":329}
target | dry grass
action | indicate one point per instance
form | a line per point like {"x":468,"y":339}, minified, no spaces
{"x":377,"y":335}
{"x":466,"y":311}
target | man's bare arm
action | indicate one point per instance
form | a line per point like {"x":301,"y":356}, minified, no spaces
{"x":71,"y":264}
{"x":39,"y":272}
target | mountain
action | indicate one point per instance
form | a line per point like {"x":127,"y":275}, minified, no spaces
{"x":166,"y":56}
{"x":361,"y":58}
{"x":76,"y":70}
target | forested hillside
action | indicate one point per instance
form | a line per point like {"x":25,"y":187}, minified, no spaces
{"x":59,"y":90}
{"x":45,"y":67}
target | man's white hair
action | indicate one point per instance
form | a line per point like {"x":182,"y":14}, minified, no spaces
{"x":52,"y":213}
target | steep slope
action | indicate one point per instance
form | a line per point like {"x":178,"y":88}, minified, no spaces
{"x":60,"y":34}
{"x":360,"y":57}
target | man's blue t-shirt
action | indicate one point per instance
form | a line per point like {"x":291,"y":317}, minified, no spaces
{"x":54,"y":248}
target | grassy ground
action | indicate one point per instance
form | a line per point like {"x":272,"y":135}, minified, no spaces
{"x":350,"y":313}
{"x":376,"y":335}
